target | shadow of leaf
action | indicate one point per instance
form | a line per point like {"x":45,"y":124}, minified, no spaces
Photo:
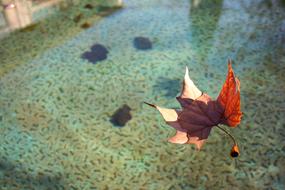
{"x":167,"y":87}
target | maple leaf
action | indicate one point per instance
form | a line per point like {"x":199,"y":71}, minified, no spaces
{"x":229,"y":99}
{"x":200,"y":113}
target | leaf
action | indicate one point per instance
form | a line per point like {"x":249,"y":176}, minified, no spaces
{"x":198,"y":118}
{"x":189,"y":90}
{"x":200,"y":113}
{"x":229,"y":99}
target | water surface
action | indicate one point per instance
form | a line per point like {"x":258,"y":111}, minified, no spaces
{"x":55,"y":109}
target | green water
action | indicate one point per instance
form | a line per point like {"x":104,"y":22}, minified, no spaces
{"x":55,"y":107}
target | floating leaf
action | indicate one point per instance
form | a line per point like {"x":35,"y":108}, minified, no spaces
{"x":200,"y":113}
{"x":229,"y":99}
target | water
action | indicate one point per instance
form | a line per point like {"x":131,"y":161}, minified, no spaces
{"x":55,"y":107}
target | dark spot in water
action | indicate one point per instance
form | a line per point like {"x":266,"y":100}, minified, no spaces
{"x":78,"y":18}
{"x":167,"y":87}
{"x":142,"y":43}
{"x":85,"y":25}
{"x":107,"y":10}
{"x":99,"y":48}
{"x":121,"y":116}
{"x":17,"y":175}
{"x":88,"y":6}
{"x":282,"y":3}
{"x":209,"y":75}
{"x":98,"y":53}
{"x":29,"y":28}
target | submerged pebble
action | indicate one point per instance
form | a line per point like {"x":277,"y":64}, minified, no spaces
{"x":85,"y":25}
{"x":98,"y":53}
{"x":142,"y":43}
{"x":106,"y":10}
{"x":121,"y":116}
{"x":29,"y":28}
{"x":78,"y":18}
{"x":88,"y":6}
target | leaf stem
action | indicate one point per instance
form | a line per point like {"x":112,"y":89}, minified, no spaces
{"x":225,"y":131}
{"x":152,"y":105}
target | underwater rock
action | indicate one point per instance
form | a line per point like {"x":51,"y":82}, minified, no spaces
{"x":78,"y":18}
{"x":85,"y":25}
{"x":98,"y":53}
{"x":29,"y":28}
{"x":107,"y":10}
{"x":121,"y":116}
{"x":142,"y":43}
{"x":88,"y":6}
{"x":99,"y":48}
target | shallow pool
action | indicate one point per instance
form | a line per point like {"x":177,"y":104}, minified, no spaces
{"x":56,"y":107}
